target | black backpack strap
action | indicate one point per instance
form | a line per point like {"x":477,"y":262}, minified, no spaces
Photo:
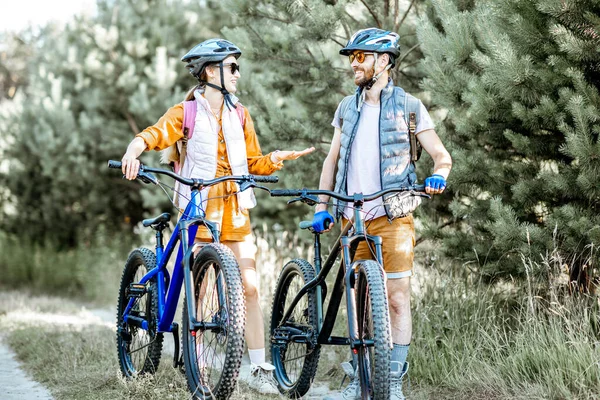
{"x":412,"y":106}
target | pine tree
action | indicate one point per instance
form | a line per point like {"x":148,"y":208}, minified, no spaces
{"x":93,"y":87}
{"x":14,"y":53}
{"x":520,"y":82}
{"x":294,"y":77}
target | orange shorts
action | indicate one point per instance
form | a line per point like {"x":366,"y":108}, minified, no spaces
{"x":398,"y":245}
{"x":233,"y":223}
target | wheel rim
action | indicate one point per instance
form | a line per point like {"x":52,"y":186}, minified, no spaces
{"x":209,"y":346}
{"x":289,"y":358}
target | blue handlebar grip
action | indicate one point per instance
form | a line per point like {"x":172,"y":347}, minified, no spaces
{"x":284,"y":193}
{"x":266,"y":179}
{"x":114,"y":164}
{"x":305,"y":224}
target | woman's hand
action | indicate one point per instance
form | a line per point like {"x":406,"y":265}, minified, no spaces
{"x":130,"y":166}
{"x":283,"y":155}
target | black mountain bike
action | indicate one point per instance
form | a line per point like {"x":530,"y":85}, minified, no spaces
{"x":214,"y":313}
{"x":298,"y":326}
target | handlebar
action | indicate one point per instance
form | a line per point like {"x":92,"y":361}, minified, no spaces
{"x":145,"y":174}
{"x":416,"y":190}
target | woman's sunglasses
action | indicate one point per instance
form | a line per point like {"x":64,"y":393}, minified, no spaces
{"x":359,"y":56}
{"x":234,"y":67}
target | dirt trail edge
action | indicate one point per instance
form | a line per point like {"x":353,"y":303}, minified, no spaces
{"x":14,"y":382}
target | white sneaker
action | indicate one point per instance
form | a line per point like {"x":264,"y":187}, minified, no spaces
{"x":261,"y":379}
{"x":352,"y":391}
{"x":396,"y":375}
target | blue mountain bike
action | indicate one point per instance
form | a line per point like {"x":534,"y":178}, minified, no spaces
{"x":214,"y":307}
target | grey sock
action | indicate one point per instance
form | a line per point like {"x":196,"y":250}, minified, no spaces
{"x":400,"y":353}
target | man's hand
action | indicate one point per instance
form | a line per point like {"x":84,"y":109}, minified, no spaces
{"x":322,"y":221}
{"x":278,"y":156}
{"x":435,"y":184}
{"x":130,"y":166}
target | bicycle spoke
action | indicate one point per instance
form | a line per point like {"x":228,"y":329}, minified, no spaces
{"x":295,"y":361}
{"x":138,"y":349}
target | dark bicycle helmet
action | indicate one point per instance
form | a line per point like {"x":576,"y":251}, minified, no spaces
{"x":209,"y":52}
{"x":375,"y":40}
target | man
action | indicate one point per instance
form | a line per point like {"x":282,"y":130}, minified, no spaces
{"x":372,"y":149}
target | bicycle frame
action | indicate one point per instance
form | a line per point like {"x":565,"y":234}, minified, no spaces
{"x":185,"y":231}
{"x":346,"y":245}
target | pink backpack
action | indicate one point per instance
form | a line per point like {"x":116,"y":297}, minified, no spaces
{"x":189,"y":120}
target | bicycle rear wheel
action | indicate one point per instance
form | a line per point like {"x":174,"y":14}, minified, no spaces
{"x":138,"y":349}
{"x":374,"y":330}
{"x":212,"y":355}
{"x":295,"y":362}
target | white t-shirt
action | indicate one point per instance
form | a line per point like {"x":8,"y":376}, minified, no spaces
{"x":364,"y":172}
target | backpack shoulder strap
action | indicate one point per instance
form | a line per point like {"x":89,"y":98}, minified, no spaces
{"x":189,"y":118}
{"x":412,"y":107}
{"x":239,"y":109}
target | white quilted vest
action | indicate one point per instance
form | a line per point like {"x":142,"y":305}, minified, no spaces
{"x":202,"y":148}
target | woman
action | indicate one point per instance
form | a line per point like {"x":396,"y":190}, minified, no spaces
{"x":222,"y":129}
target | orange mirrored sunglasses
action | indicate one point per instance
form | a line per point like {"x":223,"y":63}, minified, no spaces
{"x":359,"y":56}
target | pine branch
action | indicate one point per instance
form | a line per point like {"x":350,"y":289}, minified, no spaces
{"x":422,"y":239}
{"x":256,"y":34}
{"x":274,"y":18}
{"x":347,"y":28}
{"x":314,"y":59}
{"x":338,"y":43}
{"x":372,"y":13}
{"x":407,"y":53}
{"x":132,"y":124}
{"x":398,"y":24}
{"x":410,"y":64}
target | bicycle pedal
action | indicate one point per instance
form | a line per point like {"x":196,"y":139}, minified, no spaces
{"x":136,"y":290}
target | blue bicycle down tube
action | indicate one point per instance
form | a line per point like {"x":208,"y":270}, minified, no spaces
{"x":170,"y":306}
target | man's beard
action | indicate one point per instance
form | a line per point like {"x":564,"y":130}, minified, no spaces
{"x":366,"y":79}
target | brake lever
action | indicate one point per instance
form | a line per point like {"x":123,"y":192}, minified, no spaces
{"x":246,"y":185}
{"x":306,"y":199}
{"x":147,"y":177}
{"x":420,"y":194}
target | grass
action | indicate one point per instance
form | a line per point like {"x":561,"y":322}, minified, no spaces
{"x":76,"y":358}
{"x":504,"y":341}
{"x":510,"y":340}
{"x":90,"y":272}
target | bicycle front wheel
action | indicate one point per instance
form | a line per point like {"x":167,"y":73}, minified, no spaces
{"x":213,"y":353}
{"x":138,"y":349}
{"x":374,"y":331}
{"x":294,"y":353}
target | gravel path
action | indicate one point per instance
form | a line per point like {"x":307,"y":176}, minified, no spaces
{"x":317,"y":391}
{"x":14,"y":382}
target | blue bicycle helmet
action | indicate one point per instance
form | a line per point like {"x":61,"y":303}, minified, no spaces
{"x":374,"y":40}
